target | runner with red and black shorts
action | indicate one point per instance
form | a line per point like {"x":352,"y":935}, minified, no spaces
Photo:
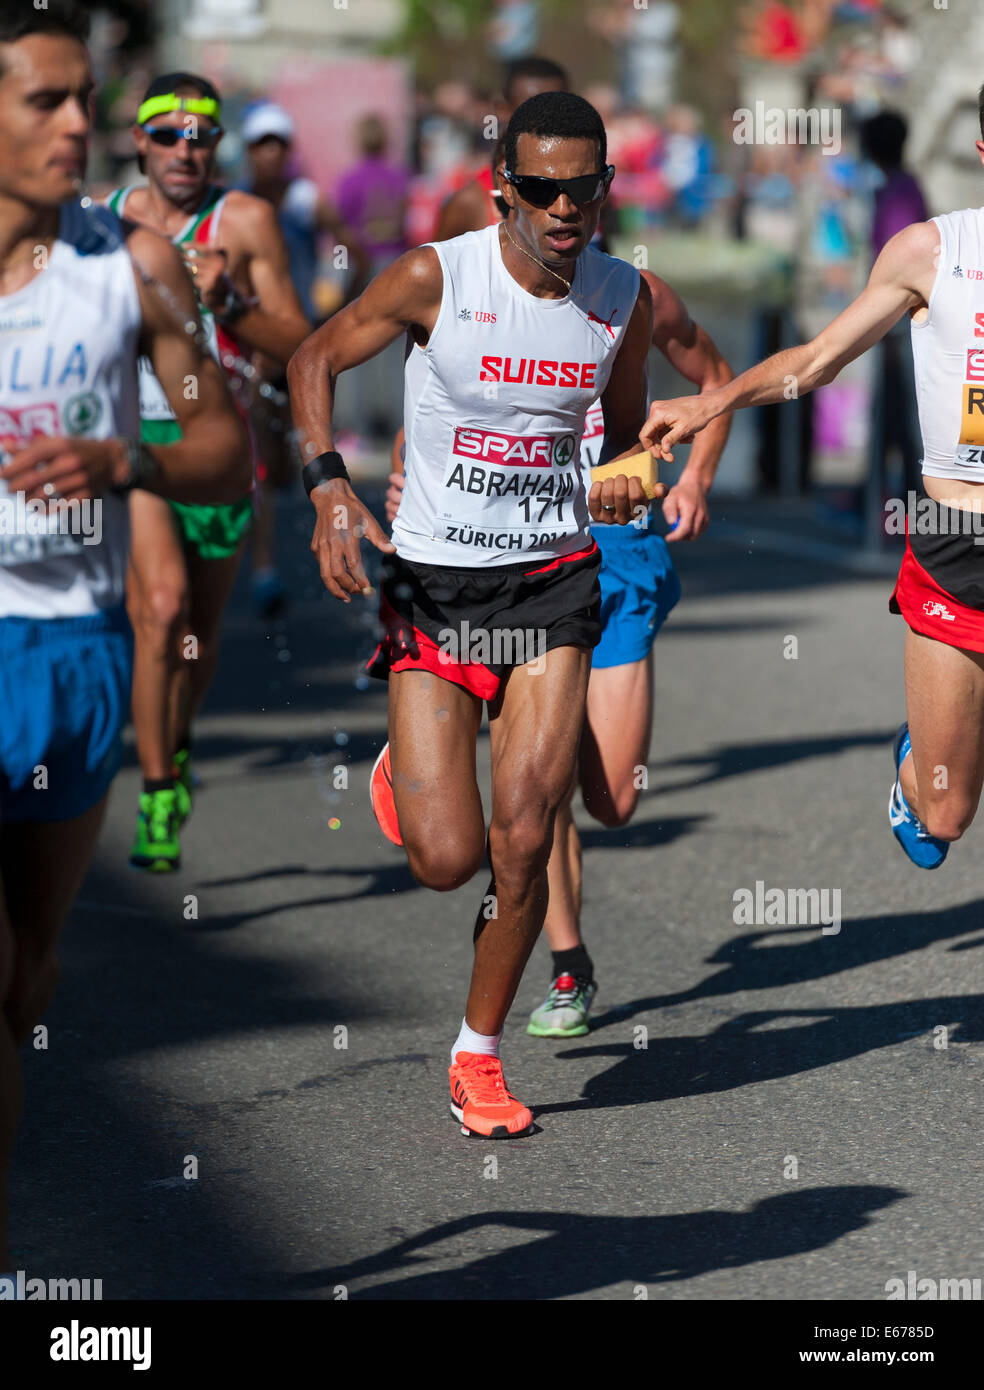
{"x":515,"y":331}
{"x":934,"y":272}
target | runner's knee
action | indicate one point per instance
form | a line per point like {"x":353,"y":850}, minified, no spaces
{"x":444,"y":862}
{"x":611,"y":809}
{"x":159,"y":609}
{"x":35,"y":979}
{"x":948,"y":818}
{"x":521,"y":843}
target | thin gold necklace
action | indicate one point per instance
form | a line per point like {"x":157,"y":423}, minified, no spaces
{"x":536,"y":260}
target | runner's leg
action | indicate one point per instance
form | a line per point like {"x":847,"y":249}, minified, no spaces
{"x":157,"y":602}
{"x":614,"y":745}
{"x":562,"y":923}
{"x":11,"y":1083}
{"x":944,"y":690}
{"x":433,"y":727}
{"x":210,"y":584}
{"x":535,"y":726}
{"x":42,"y":866}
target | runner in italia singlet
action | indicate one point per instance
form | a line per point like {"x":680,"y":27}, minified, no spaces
{"x":495,"y":406}
{"x":67,"y":350}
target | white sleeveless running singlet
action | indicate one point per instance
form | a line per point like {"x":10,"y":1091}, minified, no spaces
{"x":200,"y":229}
{"x":495,"y":406}
{"x":948,"y":353}
{"x":68,"y":366}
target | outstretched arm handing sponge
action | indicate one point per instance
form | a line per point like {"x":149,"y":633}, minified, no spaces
{"x":694,"y":355}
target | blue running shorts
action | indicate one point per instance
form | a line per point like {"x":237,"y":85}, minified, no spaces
{"x":639,"y":587}
{"x":64,"y":699}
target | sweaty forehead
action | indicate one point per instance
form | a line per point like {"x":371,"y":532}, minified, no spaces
{"x":556,"y":156}
{"x":42,"y":62}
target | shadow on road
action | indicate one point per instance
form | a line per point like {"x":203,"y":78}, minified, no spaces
{"x":748,"y":964}
{"x":734,"y":759}
{"x":578,"y":1254}
{"x":761,"y":1046}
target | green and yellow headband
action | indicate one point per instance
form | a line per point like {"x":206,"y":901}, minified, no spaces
{"x":195,"y":106}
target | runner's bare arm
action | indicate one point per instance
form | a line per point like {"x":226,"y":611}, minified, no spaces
{"x":211,"y":462}
{"x":406,"y":295}
{"x":695,"y":356}
{"x":278,"y":325}
{"x":623,"y":404}
{"x":901,"y":280}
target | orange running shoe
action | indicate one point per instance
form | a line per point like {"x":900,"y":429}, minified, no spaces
{"x":381,"y":796}
{"x":481,"y":1100}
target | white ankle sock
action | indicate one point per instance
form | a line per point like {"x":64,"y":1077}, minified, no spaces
{"x":467,"y":1041}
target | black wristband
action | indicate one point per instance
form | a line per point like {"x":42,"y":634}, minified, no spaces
{"x":143,"y":467}
{"x":323,"y":469}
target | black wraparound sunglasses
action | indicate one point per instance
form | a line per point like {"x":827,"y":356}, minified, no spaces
{"x":542,"y":193}
{"x":168,"y":136}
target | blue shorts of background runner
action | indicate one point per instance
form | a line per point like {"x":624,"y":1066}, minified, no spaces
{"x":639,"y":587}
{"x":64,"y":699}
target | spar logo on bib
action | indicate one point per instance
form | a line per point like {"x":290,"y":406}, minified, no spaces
{"x":521,"y":450}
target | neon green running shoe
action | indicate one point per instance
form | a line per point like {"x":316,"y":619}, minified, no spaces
{"x":155,"y":844}
{"x":184,"y":784}
{"x":564,"y":1012}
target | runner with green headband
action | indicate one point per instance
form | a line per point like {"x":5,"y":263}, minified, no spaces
{"x":184,"y":559}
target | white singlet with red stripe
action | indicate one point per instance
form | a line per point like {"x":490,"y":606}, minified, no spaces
{"x":68,"y":366}
{"x":495,"y":406}
{"x":948,"y":353}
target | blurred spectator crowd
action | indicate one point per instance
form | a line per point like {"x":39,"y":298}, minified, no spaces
{"x":681,"y":166}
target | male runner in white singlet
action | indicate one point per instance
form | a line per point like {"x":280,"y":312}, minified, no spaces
{"x":184,"y":559}
{"x":639,"y":588}
{"x":80,"y":296}
{"x":934,"y":272}
{"x":492,"y":594}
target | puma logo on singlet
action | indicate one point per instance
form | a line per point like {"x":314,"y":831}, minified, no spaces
{"x":605,"y":323}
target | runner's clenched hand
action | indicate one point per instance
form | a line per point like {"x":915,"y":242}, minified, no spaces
{"x":71,"y":468}
{"x":341,"y":522}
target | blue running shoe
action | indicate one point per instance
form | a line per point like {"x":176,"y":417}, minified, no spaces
{"x":923,"y":849}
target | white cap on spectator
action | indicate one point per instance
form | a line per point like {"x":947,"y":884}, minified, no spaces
{"x":266,"y":120}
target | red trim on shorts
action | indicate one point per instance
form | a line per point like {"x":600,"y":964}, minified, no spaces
{"x":933,"y":612}
{"x":564,"y":560}
{"x":394,"y":654}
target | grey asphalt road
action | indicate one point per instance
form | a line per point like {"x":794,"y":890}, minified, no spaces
{"x":252,"y":1101}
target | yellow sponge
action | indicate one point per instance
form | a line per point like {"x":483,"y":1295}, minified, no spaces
{"x":642,"y":466}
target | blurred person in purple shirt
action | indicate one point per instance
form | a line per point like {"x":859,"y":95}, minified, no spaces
{"x":898,"y":203}
{"x":372,"y":196}
{"x":898,"y":200}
